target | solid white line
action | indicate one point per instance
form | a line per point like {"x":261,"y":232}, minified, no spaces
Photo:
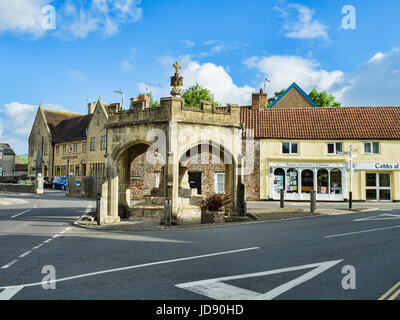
{"x":25,"y":254}
{"x":9,"y":264}
{"x":131,"y":267}
{"x":16,"y":215}
{"x":362,"y":231}
{"x":48,"y":240}
{"x":8,"y":293}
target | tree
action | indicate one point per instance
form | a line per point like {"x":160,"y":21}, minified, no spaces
{"x":195,"y":93}
{"x":153,"y":103}
{"x":323,"y":99}
{"x":276,"y":96}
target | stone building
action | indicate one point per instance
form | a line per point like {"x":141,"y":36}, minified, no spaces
{"x":63,"y":143}
{"x":7,"y":160}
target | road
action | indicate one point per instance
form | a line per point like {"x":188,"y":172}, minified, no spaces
{"x":310,"y":258}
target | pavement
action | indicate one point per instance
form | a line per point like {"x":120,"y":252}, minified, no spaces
{"x":43,"y":255}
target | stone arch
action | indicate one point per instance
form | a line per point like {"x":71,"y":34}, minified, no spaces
{"x":225,"y":156}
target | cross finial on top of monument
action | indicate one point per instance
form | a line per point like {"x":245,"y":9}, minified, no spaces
{"x":176,"y":82}
{"x":177,"y":67}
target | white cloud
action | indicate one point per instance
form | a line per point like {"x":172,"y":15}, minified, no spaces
{"x":22,"y":16}
{"x":216,"y":79}
{"x":126,"y":66}
{"x":186,"y":43}
{"x":376,"y":82}
{"x":16,"y":120}
{"x":77,"y":20}
{"x":74,"y":18}
{"x":284,"y":70}
{"x":298,"y":22}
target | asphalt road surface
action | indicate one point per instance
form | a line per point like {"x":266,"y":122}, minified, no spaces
{"x":43,"y":256}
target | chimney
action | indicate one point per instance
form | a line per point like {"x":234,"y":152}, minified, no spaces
{"x":259,"y":100}
{"x":143,"y":97}
{"x":91,"y":106}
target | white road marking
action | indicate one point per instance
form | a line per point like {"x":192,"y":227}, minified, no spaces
{"x":216,"y":289}
{"x":38,"y":246}
{"x":385,"y":216}
{"x":48,"y":240}
{"x":362,"y":231}
{"x":9,"y":264}
{"x":8,"y":293}
{"x":16,"y":215}
{"x":25,"y":254}
{"x":132,"y":267}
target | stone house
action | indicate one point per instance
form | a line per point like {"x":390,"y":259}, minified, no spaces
{"x":7,"y":160}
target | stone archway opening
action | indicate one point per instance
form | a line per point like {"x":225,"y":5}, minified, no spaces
{"x":204,"y":169}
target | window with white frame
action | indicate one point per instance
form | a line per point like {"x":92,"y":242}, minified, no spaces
{"x":371,"y":147}
{"x":220,"y":182}
{"x":290,"y":147}
{"x":334,"y":148}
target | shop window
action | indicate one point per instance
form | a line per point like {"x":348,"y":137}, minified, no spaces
{"x":371,"y":147}
{"x":323,"y":181}
{"x":290,"y":147}
{"x":307,"y":181}
{"x":292,"y":181}
{"x":336,"y":181}
{"x":279,"y":179}
{"x":334,"y":148}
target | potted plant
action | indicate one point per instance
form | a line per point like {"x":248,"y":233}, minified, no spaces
{"x":212,"y":206}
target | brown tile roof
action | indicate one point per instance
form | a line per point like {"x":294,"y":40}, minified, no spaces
{"x":55,"y":117}
{"x":324,"y":123}
{"x":72,"y":129}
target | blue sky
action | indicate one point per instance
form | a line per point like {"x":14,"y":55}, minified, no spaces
{"x":228,"y":46}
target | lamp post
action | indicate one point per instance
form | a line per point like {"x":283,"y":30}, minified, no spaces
{"x":350,"y":159}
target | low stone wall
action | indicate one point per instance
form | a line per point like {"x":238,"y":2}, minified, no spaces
{"x":21,"y":188}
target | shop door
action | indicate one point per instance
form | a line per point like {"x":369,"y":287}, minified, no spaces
{"x":378,"y":187}
{"x":195,"y":181}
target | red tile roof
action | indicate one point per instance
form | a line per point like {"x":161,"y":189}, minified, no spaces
{"x":324,"y":123}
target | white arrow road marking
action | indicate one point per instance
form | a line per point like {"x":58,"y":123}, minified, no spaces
{"x":8,"y":293}
{"x":385,"y":216}
{"x":216,"y":289}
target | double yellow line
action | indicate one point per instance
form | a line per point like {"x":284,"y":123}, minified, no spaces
{"x":390,"y":291}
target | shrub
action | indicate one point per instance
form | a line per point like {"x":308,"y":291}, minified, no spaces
{"x":214,"y":202}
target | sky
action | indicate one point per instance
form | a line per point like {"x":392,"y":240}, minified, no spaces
{"x":63,"y":54}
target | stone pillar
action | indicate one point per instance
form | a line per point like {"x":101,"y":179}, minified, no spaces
{"x":124,"y":185}
{"x":174,"y":173}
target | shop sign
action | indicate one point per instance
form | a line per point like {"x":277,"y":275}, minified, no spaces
{"x":376,"y":165}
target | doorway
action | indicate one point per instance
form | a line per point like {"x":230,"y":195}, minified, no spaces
{"x":195,"y":181}
{"x":378,"y":186}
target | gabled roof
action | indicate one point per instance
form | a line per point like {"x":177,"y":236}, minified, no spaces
{"x":294,"y":86}
{"x":72,"y":129}
{"x":7,"y":150}
{"x":346,"y":123}
{"x":53,"y":118}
